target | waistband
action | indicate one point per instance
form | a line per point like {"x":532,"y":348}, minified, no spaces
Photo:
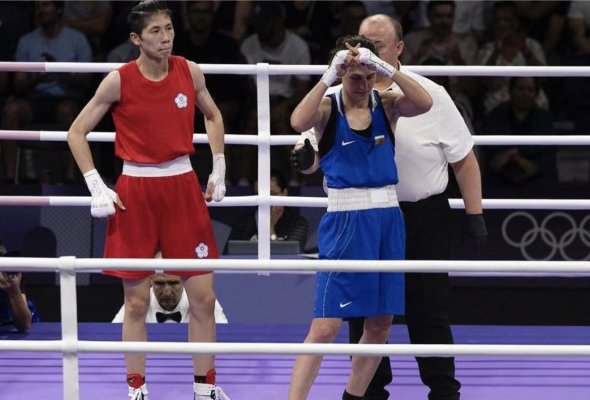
{"x":178,"y":166}
{"x":351,"y":199}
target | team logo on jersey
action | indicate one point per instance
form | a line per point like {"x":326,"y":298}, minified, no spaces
{"x":202,"y":250}
{"x":380,"y":139}
{"x":181,"y":100}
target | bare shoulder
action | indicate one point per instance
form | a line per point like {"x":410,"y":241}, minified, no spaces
{"x":109,"y":90}
{"x":196,"y":72}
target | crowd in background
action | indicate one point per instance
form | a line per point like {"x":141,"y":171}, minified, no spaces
{"x":299,"y":32}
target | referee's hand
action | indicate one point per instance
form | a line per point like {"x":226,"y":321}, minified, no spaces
{"x":475,"y":232}
{"x":304,"y":157}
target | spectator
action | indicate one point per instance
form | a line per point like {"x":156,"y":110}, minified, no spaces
{"x":312,"y":21}
{"x":545,"y":22}
{"x":205,"y":45}
{"x":273,"y":43}
{"x":578,"y":19}
{"x":350,"y":14}
{"x":285,"y":222}
{"x":233,"y":18}
{"x":15,"y":309}
{"x":509,"y":46}
{"x":514,"y":165}
{"x":575,"y":89}
{"x":439,"y":40}
{"x":93,"y":19}
{"x":48,"y":97}
{"x":15,"y":21}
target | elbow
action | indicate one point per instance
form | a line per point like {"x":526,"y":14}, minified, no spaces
{"x":298,"y":125}
{"x":426,"y":104}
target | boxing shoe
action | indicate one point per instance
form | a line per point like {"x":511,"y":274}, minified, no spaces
{"x":140,"y":393}
{"x":204,"y":391}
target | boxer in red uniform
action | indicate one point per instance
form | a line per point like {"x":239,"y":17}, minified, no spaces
{"x":157,"y":202}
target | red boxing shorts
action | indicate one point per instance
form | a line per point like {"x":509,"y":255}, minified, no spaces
{"x":166,"y":213}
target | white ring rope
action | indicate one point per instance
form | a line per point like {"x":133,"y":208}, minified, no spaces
{"x":251,"y":69}
{"x":424,"y":350}
{"x":300,"y":201}
{"x":278,"y":140}
{"x":293,"y":265}
{"x":70,"y":346}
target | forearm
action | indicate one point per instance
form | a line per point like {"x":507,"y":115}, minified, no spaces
{"x":21,"y":315}
{"x":468,"y":178}
{"x":304,"y":116}
{"x":215,"y":132}
{"x":413,"y":91}
{"x":80,"y":150}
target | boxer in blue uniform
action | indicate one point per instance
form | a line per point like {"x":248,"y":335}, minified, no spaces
{"x":354,"y":128}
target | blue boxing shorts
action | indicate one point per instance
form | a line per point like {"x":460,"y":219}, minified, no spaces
{"x":371,"y":234}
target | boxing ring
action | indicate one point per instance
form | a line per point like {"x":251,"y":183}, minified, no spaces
{"x":84,"y":361}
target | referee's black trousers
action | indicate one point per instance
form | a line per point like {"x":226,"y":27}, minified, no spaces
{"x":428,"y":236}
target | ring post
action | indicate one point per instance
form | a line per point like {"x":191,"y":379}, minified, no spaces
{"x":263,"y":93}
{"x":69,"y":327}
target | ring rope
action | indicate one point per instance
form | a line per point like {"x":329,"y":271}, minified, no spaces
{"x":424,"y":350}
{"x":301,"y":201}
{"x":253,"y":69}
{"x":277,"y":140}
{"x":224,"y":264}
{"x":70,"y":346}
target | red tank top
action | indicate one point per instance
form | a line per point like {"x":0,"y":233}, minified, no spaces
{"x":154,"y":121}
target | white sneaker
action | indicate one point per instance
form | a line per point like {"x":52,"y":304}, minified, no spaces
{"x":204,"y":391}
{"x":141,"y":393}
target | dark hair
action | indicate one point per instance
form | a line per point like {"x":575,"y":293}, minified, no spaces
{"x":434,"y":3}
{"x":139,"y":16}
{"x":352,"y":40}
{"x":515,"y":79}
{"x":281,"y":181}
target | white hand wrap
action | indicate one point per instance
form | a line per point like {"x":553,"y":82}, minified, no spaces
{"x":103,"y":198}
{"x":218,"y":177}
{"x":368,"y":58}
{"x":331,"y":74}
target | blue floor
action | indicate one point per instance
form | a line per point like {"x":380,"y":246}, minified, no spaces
{"x":25,"y":375}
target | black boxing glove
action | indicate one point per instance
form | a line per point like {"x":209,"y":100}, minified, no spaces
{"x":475,"y":231}
{"x":304,"y":157}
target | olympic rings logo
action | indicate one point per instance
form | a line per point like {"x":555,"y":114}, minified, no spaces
{"x":546,"y":236}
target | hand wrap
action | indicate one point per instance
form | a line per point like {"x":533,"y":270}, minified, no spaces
{"x":217,"y":177}
{"x":331,"y":75}
{"x":103,"y":198}
{"x":369,"y":58}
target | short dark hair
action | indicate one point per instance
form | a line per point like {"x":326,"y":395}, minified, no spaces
{"x":434,"y":3}
{"x":140,"y":14}
{"x":513,"y":80}
{"x":352,"y":40}
{"x":280,"y":178}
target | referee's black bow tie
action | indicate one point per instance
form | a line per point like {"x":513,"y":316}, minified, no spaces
{"x":162,"y":317}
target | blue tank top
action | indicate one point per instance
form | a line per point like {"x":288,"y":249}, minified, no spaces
{"x":355,"y":160}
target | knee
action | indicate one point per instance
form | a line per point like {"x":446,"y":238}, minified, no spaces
{"x":322,"y":333}
{"x":378,"y":327}
{"x":136,"y":307}
{"x":202,"y":304}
